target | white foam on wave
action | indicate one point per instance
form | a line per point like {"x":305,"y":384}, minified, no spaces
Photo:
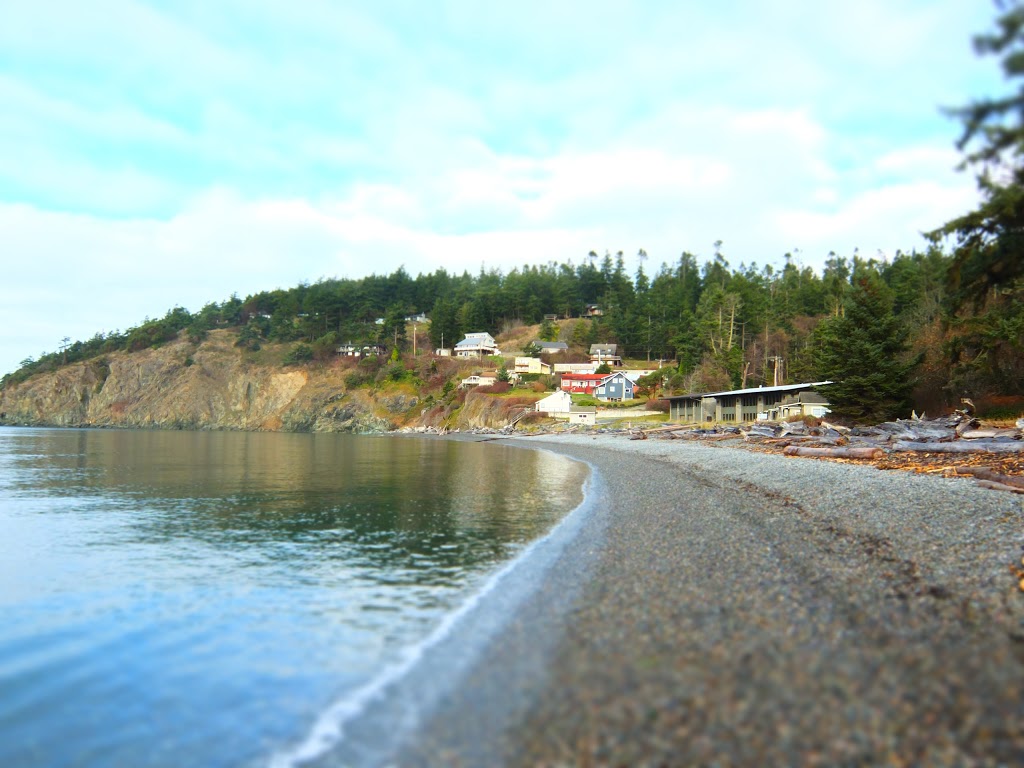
{"x":328,"y":731}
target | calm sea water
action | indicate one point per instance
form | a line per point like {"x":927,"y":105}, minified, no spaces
{"x":177,"y":598}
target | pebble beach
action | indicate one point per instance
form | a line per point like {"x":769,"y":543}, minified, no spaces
{"x":724,"y":607}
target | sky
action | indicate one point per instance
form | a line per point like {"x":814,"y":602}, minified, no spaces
{"x":171,"y":153}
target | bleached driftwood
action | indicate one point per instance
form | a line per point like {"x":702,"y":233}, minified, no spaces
{"x":836,"y":428}
{"x":972,"y":446}
{"x":983,"y":434}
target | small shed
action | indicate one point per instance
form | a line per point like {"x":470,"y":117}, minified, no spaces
{"x":583,"y":415}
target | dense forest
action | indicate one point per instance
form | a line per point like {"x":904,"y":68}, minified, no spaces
{"x":922,"y":329}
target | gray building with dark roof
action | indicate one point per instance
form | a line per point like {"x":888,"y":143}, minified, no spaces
{"x":741,"y":405}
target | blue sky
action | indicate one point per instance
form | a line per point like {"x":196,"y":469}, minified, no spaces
{"x":155,"y":154}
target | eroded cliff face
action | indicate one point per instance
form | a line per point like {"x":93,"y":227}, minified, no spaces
{"x":212,"y":386}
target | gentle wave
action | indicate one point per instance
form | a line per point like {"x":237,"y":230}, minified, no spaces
{"x":328,"y":732}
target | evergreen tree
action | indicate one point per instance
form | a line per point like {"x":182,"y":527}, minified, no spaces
{"x":984,"y":348}
{"x":863,"y":352}
{"x":444,"y":324}
{"x":548,"y":331}
{"x":990,"y":239}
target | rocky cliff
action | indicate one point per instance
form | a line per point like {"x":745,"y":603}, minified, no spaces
{"x":216,"y":385}
{"x":210,"y":386}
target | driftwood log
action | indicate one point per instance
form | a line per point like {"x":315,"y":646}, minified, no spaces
{"x":841,"y":452}
{"x":972,"y":446}
{"x":983,"y":473}
{"x":983,"y":434}
{"x":1000,"y":487}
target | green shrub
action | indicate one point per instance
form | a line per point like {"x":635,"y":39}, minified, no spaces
{"x":300,"y":353}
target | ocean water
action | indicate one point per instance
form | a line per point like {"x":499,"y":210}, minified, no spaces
{"x":204,"y":598}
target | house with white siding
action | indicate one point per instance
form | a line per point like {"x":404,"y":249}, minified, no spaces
{"x":477,"y":345}
{"x":605,"y":354}
{"x":557,"y":402}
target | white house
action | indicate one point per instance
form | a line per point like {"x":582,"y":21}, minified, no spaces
{"x":479,"y":380}
{"x":557,"y":402}
{"x":575,"y":367}
{"x":361,"y":350}
{"x":486,"y":379}
{"x":605,"y":354}
{"x":477,"y":345}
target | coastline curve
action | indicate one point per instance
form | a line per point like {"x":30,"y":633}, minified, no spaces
{"x":371,"y":724}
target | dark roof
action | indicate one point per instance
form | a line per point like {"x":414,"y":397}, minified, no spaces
{"x":551,"y":344}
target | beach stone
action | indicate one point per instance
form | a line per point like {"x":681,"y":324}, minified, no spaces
{"x":731,"y":608}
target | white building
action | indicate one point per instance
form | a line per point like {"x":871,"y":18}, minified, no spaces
{"x":532,"y":365}
{"x":557,"y":402}
{"x":477,"y":345}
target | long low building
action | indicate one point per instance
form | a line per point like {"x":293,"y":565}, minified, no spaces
{"x":740,"y":405}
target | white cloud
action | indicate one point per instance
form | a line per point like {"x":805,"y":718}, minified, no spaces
{"x":885,"y":218}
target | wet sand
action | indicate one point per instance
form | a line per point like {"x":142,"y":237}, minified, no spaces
{"x":721,"y":607}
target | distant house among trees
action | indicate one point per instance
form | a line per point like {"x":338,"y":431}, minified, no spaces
{"x":593,"y":310}
{"x":551,"y":347}
{"x":487,"y":378}
{"x":479,"y":380}
{"x":607,"y":354}
{"x":477,"y":345}
{"x":349,"y":349}
{"x":531,"y":365}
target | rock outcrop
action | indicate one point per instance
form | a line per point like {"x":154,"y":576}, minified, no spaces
{"x":216,"y":385}
{"x":212,"y":386}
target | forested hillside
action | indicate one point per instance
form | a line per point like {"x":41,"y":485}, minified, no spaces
{"x":891,"y":323}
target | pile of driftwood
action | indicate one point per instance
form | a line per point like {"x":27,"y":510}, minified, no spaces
{"x":958,"y":433}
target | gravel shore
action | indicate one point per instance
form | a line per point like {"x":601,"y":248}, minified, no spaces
{"x":724,"y":607}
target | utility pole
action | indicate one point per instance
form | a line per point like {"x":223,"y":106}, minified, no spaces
{"x":414,"y":339}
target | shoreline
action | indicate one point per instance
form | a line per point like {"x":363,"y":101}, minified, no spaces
{"x":745,"y":608}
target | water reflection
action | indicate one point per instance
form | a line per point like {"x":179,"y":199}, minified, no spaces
{"x":233,"y":583}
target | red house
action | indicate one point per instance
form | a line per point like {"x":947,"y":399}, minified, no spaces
{"x":581,"y":383}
